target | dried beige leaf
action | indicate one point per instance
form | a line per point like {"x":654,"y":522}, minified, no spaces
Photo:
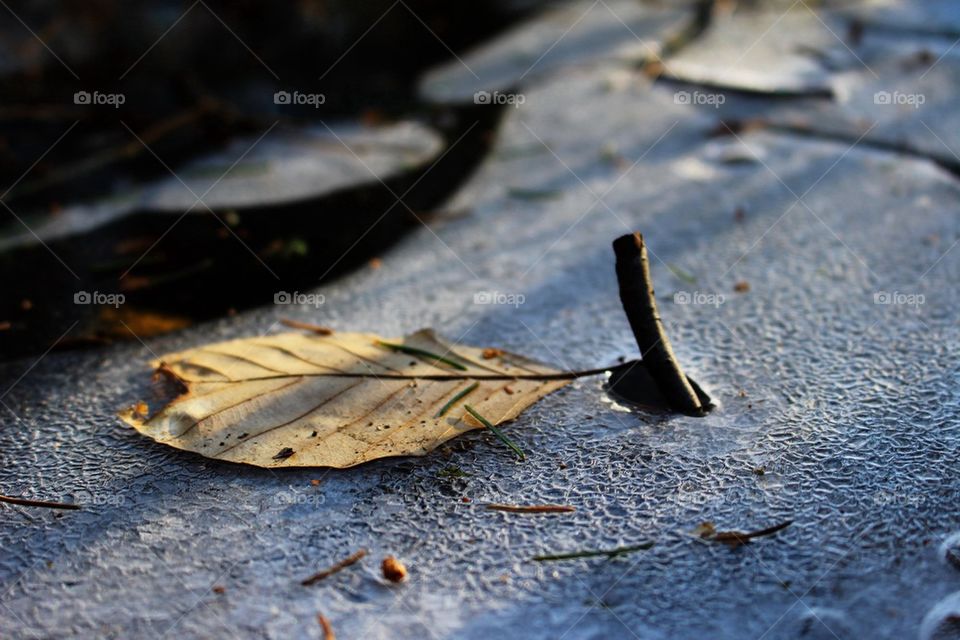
{"x":296,"y":400}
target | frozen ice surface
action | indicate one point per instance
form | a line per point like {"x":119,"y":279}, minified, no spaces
{"x":573,"y":33}
{"x":290,"y":164}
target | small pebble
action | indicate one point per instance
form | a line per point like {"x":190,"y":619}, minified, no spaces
{"x":393,"y":569}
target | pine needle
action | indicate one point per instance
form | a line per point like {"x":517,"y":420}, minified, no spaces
{"x":414,"y":351}
{"x":455,"y":399}
{"x":507,"y":441}
{"x":533,"y":508}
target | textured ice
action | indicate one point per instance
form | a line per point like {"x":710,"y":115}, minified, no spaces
{"x":835,"y":410}
{"x":296,"y":165}
{"x":774,"y":51}
{"x":573,"y":33}
{"x":923,"y":16}
{"x":289,"y":164}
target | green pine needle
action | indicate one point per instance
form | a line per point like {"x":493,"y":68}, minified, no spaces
{"x":507,"y":441}
{"x":455,"y":399}
{"x":421,"y":352}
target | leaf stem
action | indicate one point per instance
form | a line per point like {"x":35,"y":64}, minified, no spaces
{"x":507,"y":441}
{"x":562,"y":375}
{"x":414,"y":351}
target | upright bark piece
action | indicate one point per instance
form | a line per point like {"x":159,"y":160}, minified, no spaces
{"x":636,"y":295}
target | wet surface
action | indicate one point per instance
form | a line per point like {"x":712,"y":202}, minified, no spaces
{"x":170,"y":269}
{"x":834,"y":371}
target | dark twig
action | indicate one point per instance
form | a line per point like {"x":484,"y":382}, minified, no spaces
{"x":535,"y":508}
{"x":609,"y":553}
{"x":38,"y":503}
{"x":307,"y":326}
{"x":738,"y":538}
{"x":636,"y":295}
{"x":329,"y":571}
